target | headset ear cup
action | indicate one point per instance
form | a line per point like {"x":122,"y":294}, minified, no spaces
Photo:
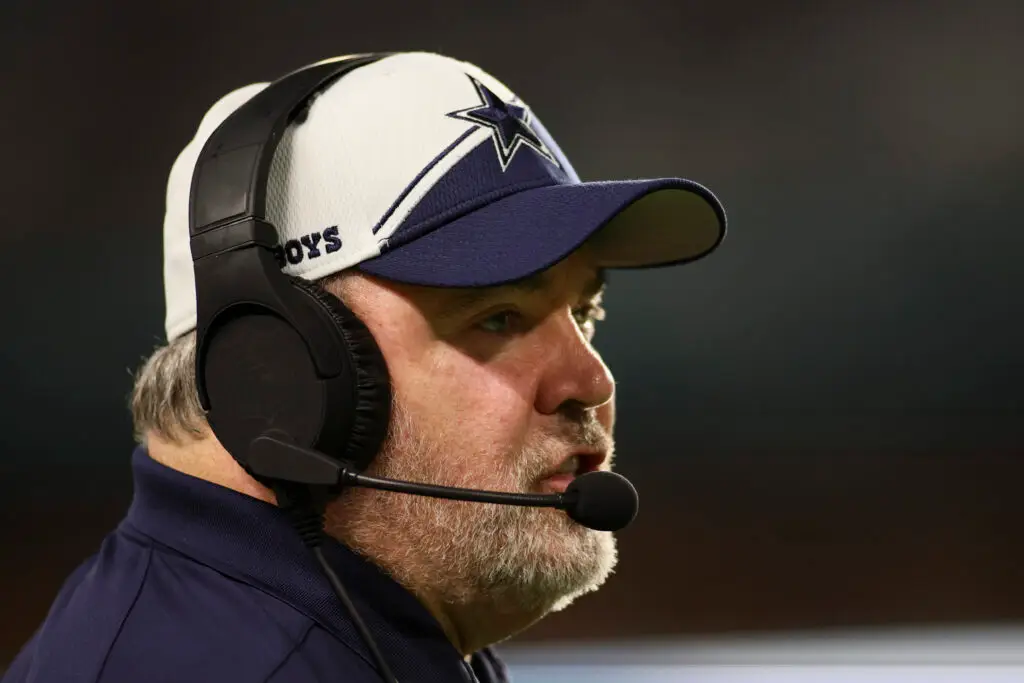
{"x":371,"y":405}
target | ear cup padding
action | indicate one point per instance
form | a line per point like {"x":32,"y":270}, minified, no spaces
{"x":370,"y":405}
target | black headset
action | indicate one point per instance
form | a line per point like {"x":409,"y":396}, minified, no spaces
{"x":279,"y":360}
{"x":293,"y":384}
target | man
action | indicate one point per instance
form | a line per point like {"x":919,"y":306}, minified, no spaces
{"x":430,"y":200}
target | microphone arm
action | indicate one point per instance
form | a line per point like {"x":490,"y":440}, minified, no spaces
{"x":604,"y":501}
{"x":274,"y":456}
{"x":558,"y":500}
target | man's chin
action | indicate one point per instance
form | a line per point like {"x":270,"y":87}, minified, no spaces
{"x":566,"y":560}
{"x":603,"y":563}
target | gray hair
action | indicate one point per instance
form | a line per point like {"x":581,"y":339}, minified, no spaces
{"x":164,"y":399}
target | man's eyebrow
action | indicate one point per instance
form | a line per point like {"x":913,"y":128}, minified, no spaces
{"x":469,"y":298}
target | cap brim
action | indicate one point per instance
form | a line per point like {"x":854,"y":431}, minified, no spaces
{"x":632,"y":223}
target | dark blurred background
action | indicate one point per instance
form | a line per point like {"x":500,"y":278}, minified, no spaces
{"x":824,"y":418}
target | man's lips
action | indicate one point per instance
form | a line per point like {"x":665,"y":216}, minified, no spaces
{"x":557,"y":483}
{"x":580,"y":462}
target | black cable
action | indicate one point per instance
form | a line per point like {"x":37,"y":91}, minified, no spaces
{"x":307,"y":518}
{"x":360,"y":626}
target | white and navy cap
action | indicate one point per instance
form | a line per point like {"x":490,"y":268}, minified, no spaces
{"x":424,"y":169}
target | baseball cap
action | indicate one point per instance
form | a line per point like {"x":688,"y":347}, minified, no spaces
{"x":424,"y":169}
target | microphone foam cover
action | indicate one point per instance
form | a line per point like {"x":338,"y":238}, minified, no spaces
{"x":604,"y":501}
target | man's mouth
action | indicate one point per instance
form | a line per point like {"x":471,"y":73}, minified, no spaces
{"x":581,"y":462}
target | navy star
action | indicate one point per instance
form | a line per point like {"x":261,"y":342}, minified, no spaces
{"x":509,"y":124}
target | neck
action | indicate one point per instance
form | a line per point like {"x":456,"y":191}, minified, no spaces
{"x":449,"y":625}
{"x":471,"y":627}
{"x":205,"y":458}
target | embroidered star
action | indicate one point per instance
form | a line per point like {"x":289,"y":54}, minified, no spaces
{"x":509,"y":123}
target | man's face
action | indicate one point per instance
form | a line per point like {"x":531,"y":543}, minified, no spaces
{"x":495,"y":389}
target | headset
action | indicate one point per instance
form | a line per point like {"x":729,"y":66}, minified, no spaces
{"x":275,"y":354}
{"x":293,"y":384}
{"x":284,"y":369}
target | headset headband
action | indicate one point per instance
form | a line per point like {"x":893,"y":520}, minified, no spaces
{"x":227,"y":213}
{"x":230,"y":180}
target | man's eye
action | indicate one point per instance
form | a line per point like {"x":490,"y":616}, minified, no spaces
{"x":502,"y":322}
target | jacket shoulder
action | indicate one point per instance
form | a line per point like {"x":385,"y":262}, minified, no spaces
{"x":136,"y":613}
{"x":192,"y":623}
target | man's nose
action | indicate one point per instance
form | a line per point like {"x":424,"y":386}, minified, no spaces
{"x":573,"y":371}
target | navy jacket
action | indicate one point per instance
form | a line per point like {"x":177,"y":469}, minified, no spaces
{"x":199,"y":583}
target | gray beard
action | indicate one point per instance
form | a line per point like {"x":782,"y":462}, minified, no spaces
{"x":494,"y":557}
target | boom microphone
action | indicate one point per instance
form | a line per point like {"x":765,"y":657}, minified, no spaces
{"x":604,"y":501}
{"x":599,"y":500}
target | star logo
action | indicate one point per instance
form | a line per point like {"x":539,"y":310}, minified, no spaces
{"x":509,"y":123}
